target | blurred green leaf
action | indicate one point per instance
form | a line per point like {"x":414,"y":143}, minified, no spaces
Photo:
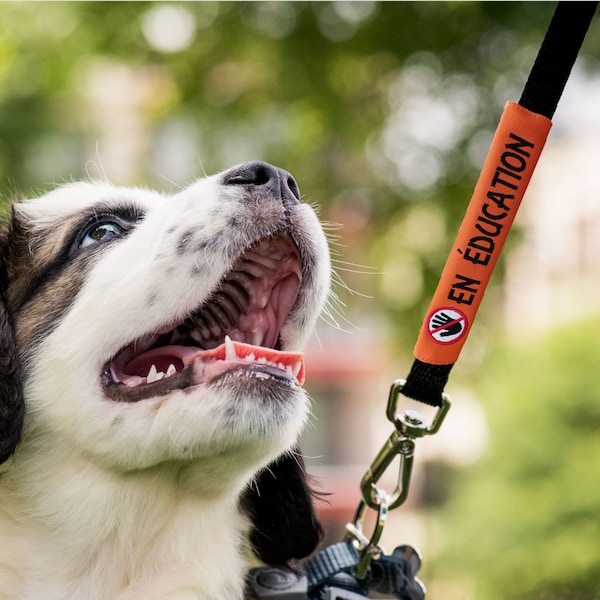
{"x":524,"y":521}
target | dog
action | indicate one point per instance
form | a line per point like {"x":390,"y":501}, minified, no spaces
{"x":151,"y":387}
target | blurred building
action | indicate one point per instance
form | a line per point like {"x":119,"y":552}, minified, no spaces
{"x":553,"y":274}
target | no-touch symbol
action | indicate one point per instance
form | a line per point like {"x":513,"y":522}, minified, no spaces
{"x":447,"y":325}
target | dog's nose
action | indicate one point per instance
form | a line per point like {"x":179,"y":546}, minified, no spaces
{"x":258,"y":173}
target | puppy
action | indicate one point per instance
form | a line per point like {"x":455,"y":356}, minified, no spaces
{"x":150,"y":387}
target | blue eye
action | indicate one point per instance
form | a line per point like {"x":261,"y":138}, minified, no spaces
{"x":101,"y":232}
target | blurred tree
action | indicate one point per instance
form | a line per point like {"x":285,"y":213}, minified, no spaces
{"x":381,"y":110}
{"x":524,"y":522}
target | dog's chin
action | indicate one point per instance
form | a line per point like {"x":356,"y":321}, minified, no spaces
{"x":241,"y":399}
{"x":236,"y":423}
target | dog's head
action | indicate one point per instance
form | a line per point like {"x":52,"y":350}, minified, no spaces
{"x":143,"y":330}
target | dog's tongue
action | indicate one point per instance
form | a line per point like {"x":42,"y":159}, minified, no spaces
{"x":209,"y":363}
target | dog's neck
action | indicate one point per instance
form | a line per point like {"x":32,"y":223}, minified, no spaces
{"x":127,"y":536}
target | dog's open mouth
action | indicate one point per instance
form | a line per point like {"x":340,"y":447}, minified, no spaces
{"x":235,"y":332}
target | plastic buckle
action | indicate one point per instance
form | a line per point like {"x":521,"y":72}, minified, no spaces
{"x":277,"y":584}
{"x":335,"y":593}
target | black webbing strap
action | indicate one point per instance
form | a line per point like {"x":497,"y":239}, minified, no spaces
{"x":426,"y":382}
{"x":556,"y":57}
{"x":569,"y":25}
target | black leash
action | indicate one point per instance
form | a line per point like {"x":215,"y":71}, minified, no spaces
{"x":427,"y":378}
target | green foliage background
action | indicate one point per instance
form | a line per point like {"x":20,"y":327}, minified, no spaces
{"x":310,"y":87}
{"x":253,"y":86}
{"x":525,"y":520}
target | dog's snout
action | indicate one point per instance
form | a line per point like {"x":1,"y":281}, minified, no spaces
{"x":258,"y":173}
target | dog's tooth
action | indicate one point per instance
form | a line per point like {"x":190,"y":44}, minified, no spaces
{"x":229,"y":349}
{"x":250,"y":358}
{"x":297,"y":368}
{"x":171,"y":371}
{"x":154,"y":375}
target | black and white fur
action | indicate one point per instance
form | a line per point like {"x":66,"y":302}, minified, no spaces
{"x":156,"y":490}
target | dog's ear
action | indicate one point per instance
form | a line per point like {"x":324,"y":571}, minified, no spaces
{"x":12,"y":406}
{"x":280,"y":503}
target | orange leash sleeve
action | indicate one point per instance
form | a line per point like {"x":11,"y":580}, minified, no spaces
{"x":508,"y":167}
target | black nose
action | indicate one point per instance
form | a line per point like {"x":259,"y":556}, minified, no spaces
{"x":258,"y":173}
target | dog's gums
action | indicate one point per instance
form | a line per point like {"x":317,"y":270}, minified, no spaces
{"x":236,"y":330}
{"x":206,"y":365}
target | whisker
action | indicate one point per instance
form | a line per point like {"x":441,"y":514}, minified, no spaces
{"x":339,"y":280}
{"x":176,"y":185}
{"x":204,"y":173}
{"x":367,"y":268}
{"x":332,"y":314}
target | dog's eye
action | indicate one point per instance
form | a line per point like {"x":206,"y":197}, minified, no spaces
{"x":101,"y":232}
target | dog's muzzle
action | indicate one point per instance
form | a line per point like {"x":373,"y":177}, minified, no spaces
{"x":237,"y":330}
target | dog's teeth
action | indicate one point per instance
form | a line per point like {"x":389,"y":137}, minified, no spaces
{"x":229,"y":349}
{"x":154,"y":375}
{"x":296,"y":369}
{"x":171,"y":371}
{"x":250,"y":358}
{"x":151,"y":374}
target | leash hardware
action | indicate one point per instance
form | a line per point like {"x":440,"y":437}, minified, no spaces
{"x":368,"y":549}
{"x":410,"y":422}
{"x":409,"y":425}
{"x":398,"y":444}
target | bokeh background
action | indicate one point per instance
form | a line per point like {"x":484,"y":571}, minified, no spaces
{"x":383,"y":111}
